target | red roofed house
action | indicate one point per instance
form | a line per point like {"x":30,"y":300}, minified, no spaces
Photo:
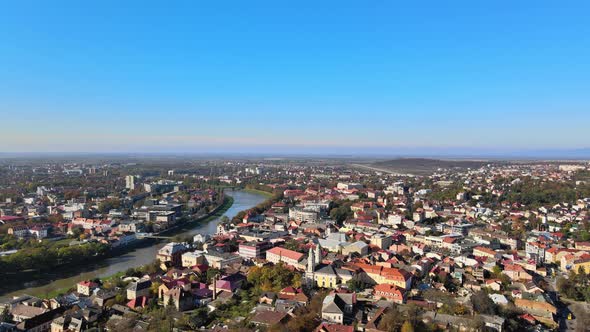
{"x":86,"y":287}
{"x":138,"y":302}
{"x":516,"y":273}
{"x":485,"y":252}
{"x":390,"y":292}
{"x":385,"y":275}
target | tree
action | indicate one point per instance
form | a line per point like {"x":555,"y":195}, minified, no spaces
{"x":407,"y":327}
{"x":391,"y":321}
{"x":170,"y":302}
{"x":483,"y":304}
{"x":211,"y":273}
{"x":154,"y":287}
{"x":355,"y":285}
{"x":6,"y":316}
{"x":200,"y":317}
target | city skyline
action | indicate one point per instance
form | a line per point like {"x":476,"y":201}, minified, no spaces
{"x":468,"y":79}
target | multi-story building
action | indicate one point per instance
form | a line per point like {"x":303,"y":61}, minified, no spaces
{"x":130,"y":182}
{"x":171,"y":252}
{"x":535,"y":250}
{"x":254,"y":249}
{"x":290,"y":257}
{"x":389,"y":292}
{"x":302,"y":215}
{"x":375,"y":274}
{"x":381,"y":241}
{"x":192,"y":258}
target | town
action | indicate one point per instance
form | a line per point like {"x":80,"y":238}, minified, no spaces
{"x":332,"y":246}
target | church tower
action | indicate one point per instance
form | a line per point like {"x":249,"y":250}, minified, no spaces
{"x":318,"y":255}
{"x":309,"y":271}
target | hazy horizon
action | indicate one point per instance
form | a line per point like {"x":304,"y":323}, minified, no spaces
{"x":367,"y":153}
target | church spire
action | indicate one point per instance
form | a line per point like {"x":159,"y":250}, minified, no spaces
{"x":318,"y":255}
{"x":310,"y":260}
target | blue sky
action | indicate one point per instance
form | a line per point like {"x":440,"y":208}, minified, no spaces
{"x":117,"y":76}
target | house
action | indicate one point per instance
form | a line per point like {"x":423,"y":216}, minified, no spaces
{"x":172,"y":253}
{"x":40,"y":322}
{"x":536,"y":251}
{"x":230,"y":283}
{"x":339,"y":307}
{"x":498,"y":299}
{"x":178,"y":297}
{"x":22,"y":312}
{"x":86,"y":287}
{"x":516,"y":273}
{"x":269,"y":318}
{"x":69,"y":323}
{"x":19,"y":231}
{"x":138,"y":302}
{"x":293,"y":294}
{"x":139,"y":288}
{"x":583,"y":262}
{"x":267,"y":298}
{"x":389,"y":292}
{"x":493,"y":284}
{"x":192,"y":258}
{"x":101,"y":296}
{"x":485,"y":252}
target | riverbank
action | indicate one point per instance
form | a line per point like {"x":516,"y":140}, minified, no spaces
{"x":259,"y":192}
{"x":228,"y":201}
{"x":12,"y":281}
{"x":144,"y":253}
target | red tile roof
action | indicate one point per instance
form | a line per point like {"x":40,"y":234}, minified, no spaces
{"x":286,"y":253}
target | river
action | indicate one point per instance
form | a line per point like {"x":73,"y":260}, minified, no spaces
{"x":134,"y":258}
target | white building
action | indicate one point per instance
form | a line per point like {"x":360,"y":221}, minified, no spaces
{"x":130,"y":182}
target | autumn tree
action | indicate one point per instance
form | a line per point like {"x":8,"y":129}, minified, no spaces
{"x":407,"y":327}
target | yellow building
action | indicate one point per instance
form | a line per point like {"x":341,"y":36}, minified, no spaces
{"x":583,"y":262}
{"x":328,"y":277}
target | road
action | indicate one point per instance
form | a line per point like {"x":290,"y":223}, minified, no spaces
{"x":565,"y":307}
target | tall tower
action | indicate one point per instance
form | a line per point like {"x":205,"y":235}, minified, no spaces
{"x":309,"y":272}
{"x":130,"y":182}
{"x":318,"y":255}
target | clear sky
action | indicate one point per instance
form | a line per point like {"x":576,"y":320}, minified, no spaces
{"x":147,"y":76}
